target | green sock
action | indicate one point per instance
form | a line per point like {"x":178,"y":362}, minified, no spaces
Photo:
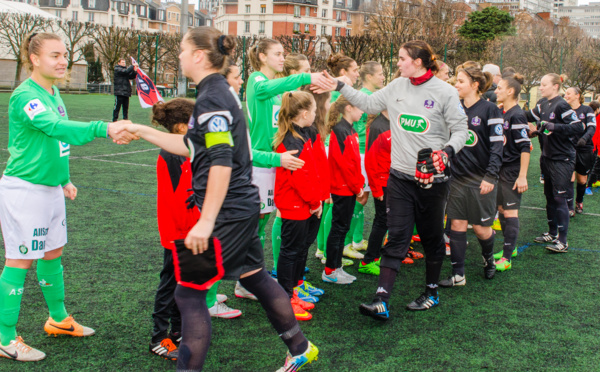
{"x":262,"y":224}
{"x":211,"y":295}
{"x":321,"y":239}
{"x":50,"y":278}
{"x":357,"y":235}
{"x":276,"y":240}
{"x":415,"y":230}
{"x":350,"y":233}
{"x":12,"y":281}
{"x":327,"y":226}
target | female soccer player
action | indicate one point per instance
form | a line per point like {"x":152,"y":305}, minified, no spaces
{"x":341,"y":65}
{"x":556,"y":124}
{"x":515,"y":163}
{"x":33,"y":190}
{"x":217,"y":142}
{"x":585,"y":157}
{"x":443,"y":71}
{"x":425,"y":113}
{"x":472,"y":198}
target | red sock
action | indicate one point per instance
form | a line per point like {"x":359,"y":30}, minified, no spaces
{"x":300,"y":282}
{"x":328,"y":271}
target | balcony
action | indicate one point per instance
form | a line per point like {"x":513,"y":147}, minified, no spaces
{"x":303,"y":2}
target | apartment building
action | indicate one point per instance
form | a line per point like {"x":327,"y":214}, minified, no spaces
{"x":585,"y":16}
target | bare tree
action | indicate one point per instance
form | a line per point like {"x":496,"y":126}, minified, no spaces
{"x":14,"y":28}
{"x":112,"y":43}
{"x":170,"y":60}
{"x":75,"y":35}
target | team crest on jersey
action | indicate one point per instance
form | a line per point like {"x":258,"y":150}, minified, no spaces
{"x":191,"y":122}
{"x":429,"y":104}
{"x":461,"y":109}
{"x":65,"y":148}
{"x":218,"y":124}
{"x":413,"y":123}
{"x":582,"y":116}
{"x":472,"y":139}
{"x":61,"y":110}
{"x":34,"y":107}
{"x":498,"y":129}
{"x":524,"y":133}
{"x":552,"y":116}
{"x":506,"y":125}
{"x":476,"y":121}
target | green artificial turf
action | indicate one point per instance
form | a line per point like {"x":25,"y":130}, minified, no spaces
{"x":541,"y":315}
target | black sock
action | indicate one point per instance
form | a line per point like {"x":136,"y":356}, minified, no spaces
{"x":502,"y":220}
{"x":487,"y":246}
{"x":458,"y":251}
{"x":432,"y":276}
{"x":580,"y":192}
{"x":197,"y":328}
{"x":570,"y":196}
{"x":510,"y":236}
{"x":562,"y":218}
{"x":387,"y":277}
{"x":278,"y":308}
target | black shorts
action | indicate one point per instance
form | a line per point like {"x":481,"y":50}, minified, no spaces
{"x":506,"y":197}
{"x":558,"y":174}
{"x":466,"y":203}
{"x":584,"y":162}
{"x":241,"y":248}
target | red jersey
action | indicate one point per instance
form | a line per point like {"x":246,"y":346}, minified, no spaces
{"x":346,"y":177}
{"x":378,"y":156}
{"x":322,"y":163}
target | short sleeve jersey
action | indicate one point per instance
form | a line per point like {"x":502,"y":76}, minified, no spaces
{"x":516,"y":136}
{"x":218,"y":136}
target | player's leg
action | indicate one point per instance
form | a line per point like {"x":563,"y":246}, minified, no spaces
{"x":164,"y":300}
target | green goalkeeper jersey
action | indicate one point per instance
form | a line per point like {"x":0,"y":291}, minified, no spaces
{"x":263,"y":112}
{"x":40,"y":134}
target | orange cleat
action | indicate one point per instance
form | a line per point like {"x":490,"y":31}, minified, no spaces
{"x":303,"y":304}
{"x":67,"y":327}
{"x":414,"y":254}
{"x":299,"y":312}
{"x":408,"y":261}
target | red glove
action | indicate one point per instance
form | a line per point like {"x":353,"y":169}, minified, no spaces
{"x":440,"y":160}
{"x":425,"y":168}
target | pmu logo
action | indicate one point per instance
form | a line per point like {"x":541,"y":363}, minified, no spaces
{"x":413,"y":123}
{"x":472,"y":139}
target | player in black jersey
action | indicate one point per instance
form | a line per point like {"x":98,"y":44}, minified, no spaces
{"x":556,"y":124}
{"x":584,"y":147}
{"x":472,"y":198}
{"x":217,"y":142}
{"x":515,"y":162}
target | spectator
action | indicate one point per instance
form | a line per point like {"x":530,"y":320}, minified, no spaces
{"x":122,"y":87}
{"x":495,"y":71}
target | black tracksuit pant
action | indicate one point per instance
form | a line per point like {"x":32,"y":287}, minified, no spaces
{"x":121,"y":101}
{"x":341,"y":217}
{"x":165,"y":308}
{"x":378,"y":230}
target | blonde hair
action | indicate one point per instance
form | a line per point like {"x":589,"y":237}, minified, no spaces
{"x":292,"y":62}
{"x":337,"y":111}
{"x":263,"y":47}
{"x":557,"y":79}
{"x":292,"y":103}
{"x":33,"y":45}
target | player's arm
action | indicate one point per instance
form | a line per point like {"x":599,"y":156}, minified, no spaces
{"x":173,"y":143}
{"x":264,"y":89}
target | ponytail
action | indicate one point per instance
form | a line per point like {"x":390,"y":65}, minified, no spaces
{"x":337,"y":110}
{"x":292,"y":103}
{"x":33,"y":45}
{"x":263,"y":47}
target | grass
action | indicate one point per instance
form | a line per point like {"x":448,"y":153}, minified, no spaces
{"x":543,"y":314}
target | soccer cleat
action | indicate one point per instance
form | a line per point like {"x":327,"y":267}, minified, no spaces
{"x":165,"y":349}
{"x":305,"y":296}
{"x":545,"y":238}
{"x":416,"y":238}
{"x":273,"y":273}
{"x":350,"y":252}
{"x":311,"y":289}
{"x":571,"y":213}
{"x":408,"y":261}
{"x":453,"y":281}
{"x":596,"y":184}
{"x":341,"y":272}
{"x":319,"y":254}
{"x":496,"y":225}
{"x":18,"y":350}
{"x":376,"y":310}
{"x":362,"y":246}
{"x":378,"y":261}
{"x":424,"y":302}
{"x":335,"y":278}
{"x":489,"y":267}
{"x":67,"y":327}
{"x":503,"y":264}
{"x":306,"y":270}
{"x":220,"y":310}
{"x":175,"y":337}
{"x":221,"y":298}
{"x":295,"y":363}
{"x":299,"y":312}
{"x":347,"y":262}
{"x":542,"y":179}
{"x":579,"y":208}
{"x":558,"y":247}
{"x":370,"y":269}
{"x":303,"y":304}
{"x":242,"y":292}
{"x":588,"y":191}
{"x":500,"y":254}
{"x":414,"y":254}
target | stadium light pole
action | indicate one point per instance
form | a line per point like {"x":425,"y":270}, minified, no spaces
{"x":182,"y":85}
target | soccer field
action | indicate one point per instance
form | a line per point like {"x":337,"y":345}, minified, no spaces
{"x":541,"y":315}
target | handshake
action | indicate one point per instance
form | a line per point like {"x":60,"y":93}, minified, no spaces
{"x":429,"y":162}
{"x":122,"y":132}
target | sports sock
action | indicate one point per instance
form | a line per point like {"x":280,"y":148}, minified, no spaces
{"x":327,"y":226}
{"x":562,"y":219}
{"x":12,"y":281}
{"x":262,"y":224}
{"x":357,"y":233}
{"x":580,"y":192}
{"x":387,"y":277}
{"x":487,"y":245}
{"x":196,"y":323}
{"x":211,"y":295}
{"x":502,"y":220}
{"x":431,"y":289}
{"x":570,"y":196}
{"x":321,"y":242}
{"x":278,"y":308}
{"x":276,"y":240}
{"x":511,"y":232}
{"x":348,"y":238}
{"x":458,"y":250}
{"x":432,"y":276}
{"x":50,"y":277}
{"x":551,"y":216}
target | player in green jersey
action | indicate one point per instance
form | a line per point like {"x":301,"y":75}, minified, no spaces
{"x":33,"y":190}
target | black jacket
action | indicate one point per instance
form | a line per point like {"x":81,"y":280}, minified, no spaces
{"x":490,"y":95}
{"x":121,"y":80}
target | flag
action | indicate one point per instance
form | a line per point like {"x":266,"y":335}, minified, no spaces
{"x":146,"y":89}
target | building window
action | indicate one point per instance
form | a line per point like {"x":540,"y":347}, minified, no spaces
{"x":323,"y":30}
{"x":306,"y":44}
{"x":261,"y":27}
{"x":307,"y":11}
{"x":263,"y":9}
{"x":247,"y":27}
{"x":324,"y":13}
{"x":92,"y":4}
{"x":337,"y":31}
{"x":122,"y":7}
{"x":141,"y":24}
{"x":296,"y":11}
{"x":247,"y":8}
{"x":90,"y":17}
{"x":348,"y":32}
{"x":161,"y":14}
{"x":177,"y":16}
{"x":307,"y":28}
{"x":122,"y":20}
{"x":75,"y":14}
{"x":142,"y":11}
{"x":296,"y":27}
{"x":58,"y":13}
{"x":58,"y":2}
{"x":338,"y":15}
